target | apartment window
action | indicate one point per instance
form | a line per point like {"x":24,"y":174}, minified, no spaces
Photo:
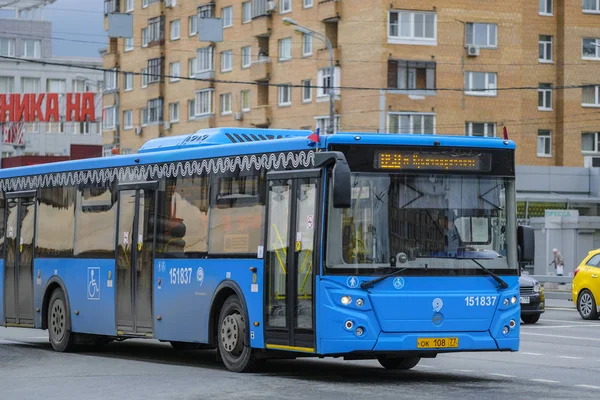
{"x":205,"y":59}
{"x":480,"y":83}
{"x":7,"y":84}
{"x":175,"y":30}
{"x":156,"y":30}
{"x":590,"y":142}
{"x":285,"y":95}
{"x":108,"y":118}
{"x":110,"y":79}
{"x":127,"y":119}
{"x":32,"y":48}
{"x":226,"y":104}
{"x":413,"y":123}
{"x":286,"y":6}
{"x":306,"y":91}
{"x":144,"y":37}
{"x":544,"y":143}
{"x":206,"y":11}
{"x":57,"y":85}
{"x":412,"y":27}
{"x":411,"y":75}
{"x":227,"y":15}
{"x":246,"y":56}
{"x":191,"y":109}
{"x":129,"y":5}
{"x":144,"y":3}
{"x":545,"y":48}
{"x":323,"y":123}
{"x":306,"y":45}
{"x":144,"y":77}
{"x":144,"y":116}
{"x":226,"y":61}
{"x":193,"y":25}
{"x":482,"y":35}
{"x":285,"y":49}
{"x":592,"y":6}
{"x":128,"y":81}
{"x":174,"y":71}
{"x":155,"y":110}
{"x":204,"y":102}
{"x":33,"y":85}
{"x":545,"y":97}
{"x":192,"y":66}
{"x":128,"y":44}
{"x":590,"y":96}
{"x":483,"y":129}
{"x":546,"y":7}
{"x":7,"y":47}
{"x":245,"y":95}
{"x":246,"y":12}
{"x":56,"y":126}
{"x":174,"y":112}
{"x":590,"y":49}
{"x":155,"y":70}
{"x":324,"y":82}
{"x":307,"y":3}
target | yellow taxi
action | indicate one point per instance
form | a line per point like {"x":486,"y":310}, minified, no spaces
{"x":586,"y":286}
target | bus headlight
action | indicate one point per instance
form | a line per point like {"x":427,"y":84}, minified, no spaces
{"x":346,"y":300}
{"x":513,"y":299}
{"x":360,"y":302}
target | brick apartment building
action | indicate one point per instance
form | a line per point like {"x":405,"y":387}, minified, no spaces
{"x":415,"y":49}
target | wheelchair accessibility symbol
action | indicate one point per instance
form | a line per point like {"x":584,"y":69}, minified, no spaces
{"x":93,"y":286}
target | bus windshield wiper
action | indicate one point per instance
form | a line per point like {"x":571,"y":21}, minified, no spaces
{"x":371,"y":283}
{"x":500,"y":281}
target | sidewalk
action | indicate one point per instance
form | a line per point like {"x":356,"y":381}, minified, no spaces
{"x":559,"y":304}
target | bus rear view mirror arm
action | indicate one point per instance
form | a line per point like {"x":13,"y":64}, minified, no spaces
{"x":341,"y":187}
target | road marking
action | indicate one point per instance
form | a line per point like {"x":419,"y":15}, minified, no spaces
{"x":571,"y":358}
{"x":588,"y":386}
{"x":560,"y":336}
{"x":531,"y":354}
{"x":544,"y":380}
{"x":501,"y":375}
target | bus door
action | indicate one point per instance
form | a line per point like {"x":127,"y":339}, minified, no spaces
{"x":18,"y":259}
{"x":290,"y":259}
{"x":134,"y":257}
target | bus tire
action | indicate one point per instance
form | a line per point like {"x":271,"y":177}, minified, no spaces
{"x":231,"y":332}
{"x":399,"y":362}
{"x":61,"y":338}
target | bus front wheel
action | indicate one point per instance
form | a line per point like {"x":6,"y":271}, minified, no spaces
{"x":399,"y":362}
{"x":232,"y":329}
{"x":61,"y":337}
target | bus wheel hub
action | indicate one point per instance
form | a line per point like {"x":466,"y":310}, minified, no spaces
{"x":232,"y":333}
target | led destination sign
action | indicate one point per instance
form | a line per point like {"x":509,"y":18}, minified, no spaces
{"x":425,"y":161}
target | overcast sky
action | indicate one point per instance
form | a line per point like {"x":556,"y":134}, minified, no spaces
{"x":77,"y":27}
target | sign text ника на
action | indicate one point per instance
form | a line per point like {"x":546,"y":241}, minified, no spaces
{"x":30,"y":107}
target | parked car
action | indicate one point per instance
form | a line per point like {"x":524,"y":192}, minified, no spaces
{"x":586,"y":286}
{"x":532,"y":299}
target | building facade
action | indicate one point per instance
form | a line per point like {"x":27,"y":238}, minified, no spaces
{"x":25,"y":43}
{"x":462,"y":67}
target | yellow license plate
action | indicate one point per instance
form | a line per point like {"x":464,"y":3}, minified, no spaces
{"x":437,"y":343}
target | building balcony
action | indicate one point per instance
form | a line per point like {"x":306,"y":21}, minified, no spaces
{"x":261,"y":116}
{"x":261,"y":26}
{"x":260,"y":70}
{"x":330,"y":10}
{"x":323,"y":57}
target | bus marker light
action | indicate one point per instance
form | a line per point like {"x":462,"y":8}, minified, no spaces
{"x":512,"y":323}
{"x":360,"y":302}
{"x":349,"y":324}
{"x":513,"y":299}
{"x":346,"y":300}
{"x":256,"y":323}
{"x":359,"y":331}
{"x":505,"y":330}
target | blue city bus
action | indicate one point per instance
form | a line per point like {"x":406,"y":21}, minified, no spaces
{"x":266,"y":243}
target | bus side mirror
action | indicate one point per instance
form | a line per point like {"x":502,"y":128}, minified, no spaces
{"x":341,"y":186}
{"x":525,"y":243}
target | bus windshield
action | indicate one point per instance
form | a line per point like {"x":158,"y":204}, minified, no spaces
{"x":426,"y":223}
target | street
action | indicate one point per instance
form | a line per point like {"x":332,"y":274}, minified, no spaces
{"x":559,"y":358}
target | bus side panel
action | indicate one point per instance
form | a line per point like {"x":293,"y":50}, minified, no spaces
{"x":184,"y":296}
{"x":88,"y":288}
{"x":2,"y":292}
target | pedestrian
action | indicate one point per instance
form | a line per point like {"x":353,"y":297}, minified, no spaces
{"x":558,"y":262}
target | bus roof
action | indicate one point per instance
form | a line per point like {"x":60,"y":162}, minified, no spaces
{"x":222,"y":142}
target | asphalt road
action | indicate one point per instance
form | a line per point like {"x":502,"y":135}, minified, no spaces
{"x":559,"y":359}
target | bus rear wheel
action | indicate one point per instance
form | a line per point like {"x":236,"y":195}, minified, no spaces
{"x":61,"y":338}
{"x":398,"y":362}
{"x":231,"y":334}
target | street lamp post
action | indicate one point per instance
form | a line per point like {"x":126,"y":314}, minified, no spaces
{"x":307,"y":31}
